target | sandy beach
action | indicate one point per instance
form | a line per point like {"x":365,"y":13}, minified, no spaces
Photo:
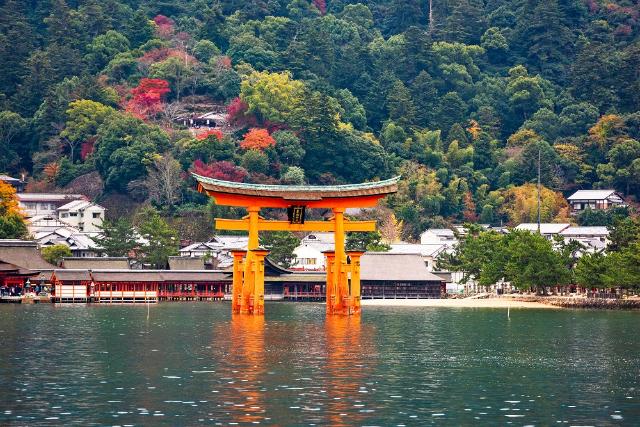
{"x":458,"y":303}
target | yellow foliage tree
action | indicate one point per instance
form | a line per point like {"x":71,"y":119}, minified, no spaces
{"x":272,"y":96}
{"x":521,"y":205}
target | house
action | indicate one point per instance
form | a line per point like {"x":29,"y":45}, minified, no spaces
{"x":215,"y":253}
{"x":81,"y":244}
{"x":35,"y":204}
{"x":438,"y":235}
{"x":546,"y":229}
{"x":594,"y":199}
{"x":83,"y":215}
{"x":16,"y":183}
{"x":593,"y":239}
{"x":309,"y":254}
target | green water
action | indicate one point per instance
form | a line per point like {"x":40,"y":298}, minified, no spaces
{"x":194,"y":364}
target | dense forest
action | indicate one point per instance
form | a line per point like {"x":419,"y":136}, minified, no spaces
{"x":460,"y":97}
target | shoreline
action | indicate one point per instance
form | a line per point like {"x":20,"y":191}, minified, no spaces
{"x":458,"y":303}
{"x":512,"y":302}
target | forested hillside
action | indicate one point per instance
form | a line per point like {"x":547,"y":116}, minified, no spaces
{"x":458,"y":96}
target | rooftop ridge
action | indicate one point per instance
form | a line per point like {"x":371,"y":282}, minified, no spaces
{"x":287,"y":188}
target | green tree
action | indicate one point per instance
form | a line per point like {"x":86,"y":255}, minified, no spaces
{"x":280,"y":245}
{"x":160,"y":240}
{"x":369,"y":241}
{"x":55,"y":253}
{"x":528,"y":260}
{"x":272,"y":96}
{"x":400,"y":105}
{"x":125,"y":146}
{"x":117,"y":237}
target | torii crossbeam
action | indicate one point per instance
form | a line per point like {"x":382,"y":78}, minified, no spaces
{"x":343,"y":279}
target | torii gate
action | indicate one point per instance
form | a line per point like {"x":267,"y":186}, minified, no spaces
{"x":343,"y":278}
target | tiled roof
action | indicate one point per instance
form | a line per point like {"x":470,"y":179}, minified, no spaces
{"x":299,"y":192}
{"x":545,"y":228}
{"x":591,"y":194}
{"x":585,"y":231}
{"x":377,"y":266}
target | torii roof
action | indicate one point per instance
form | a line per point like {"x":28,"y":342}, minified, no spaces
{"x":227,"y":192}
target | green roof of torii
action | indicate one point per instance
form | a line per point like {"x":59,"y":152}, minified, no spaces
{"x":299,"y":192}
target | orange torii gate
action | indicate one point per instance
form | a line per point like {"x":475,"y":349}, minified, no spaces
{"x":343,"y":278}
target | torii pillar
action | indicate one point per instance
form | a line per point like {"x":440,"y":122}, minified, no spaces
{"x":343,"y":273}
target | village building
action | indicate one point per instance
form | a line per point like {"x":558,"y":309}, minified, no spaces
{"x":595,"y":200}
{"x":215,"y":253}
{"x":546,"y":229}
{"x":83,"y":215}
{"x":35,"y":204}
{"x":81,"y":245}
{"x":439,"y":236}
{"x":16,"y":183}
{"x":309,"y":255}
{"x":593,"y":239}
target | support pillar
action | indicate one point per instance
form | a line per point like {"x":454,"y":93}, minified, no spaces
{"x":344,"y":302}
{"x":330,"y":259}
{"x":247,"y":298}
{"x":355,"y":279}
{"x":238,"y":279}
{"x":257,"y":297}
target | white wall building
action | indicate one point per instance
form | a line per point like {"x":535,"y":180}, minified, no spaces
{"x":438,"y":236}
{"x":83,"y":215}
{"x":309,"y":255}
{"x":217,"y":249}
{"x":594,"y":199}
{"x":36,"y":204}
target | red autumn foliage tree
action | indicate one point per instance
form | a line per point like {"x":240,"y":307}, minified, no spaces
{"x":237,"y":112}
{"x":147,"y":97}
{"x":224,"y":170}
{"x":257,"y":139}
{"x":87,"y":148}
{"x":164,"y":26}
{"x":321,"y":5}
{"x":207,"y":133}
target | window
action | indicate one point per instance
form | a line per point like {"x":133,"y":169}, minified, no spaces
{"x":73,"y":213}
{"x":96,"y":214}
{"x":65,"y":215}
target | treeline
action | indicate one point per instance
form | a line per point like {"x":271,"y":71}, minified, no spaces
{"x":531,"y":262}
{"x":459,"y":96}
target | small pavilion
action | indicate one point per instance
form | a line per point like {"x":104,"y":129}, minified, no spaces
{"x":343,"y":268}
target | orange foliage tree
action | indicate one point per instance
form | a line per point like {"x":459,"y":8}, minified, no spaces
{"x":207,"y":133}
{"x":257,"y":139}
{"x":12,"y":224}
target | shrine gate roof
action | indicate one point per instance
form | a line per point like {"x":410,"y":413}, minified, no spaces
{"x":297,"y":193}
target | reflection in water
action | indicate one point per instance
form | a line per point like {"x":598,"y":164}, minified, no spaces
{"x":243,"y":398}
{"x":343,"y":375}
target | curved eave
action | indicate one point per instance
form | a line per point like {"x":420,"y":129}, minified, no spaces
{"x":298,"y":192}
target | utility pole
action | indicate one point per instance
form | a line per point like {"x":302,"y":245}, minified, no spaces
{"x":538,"y":190}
